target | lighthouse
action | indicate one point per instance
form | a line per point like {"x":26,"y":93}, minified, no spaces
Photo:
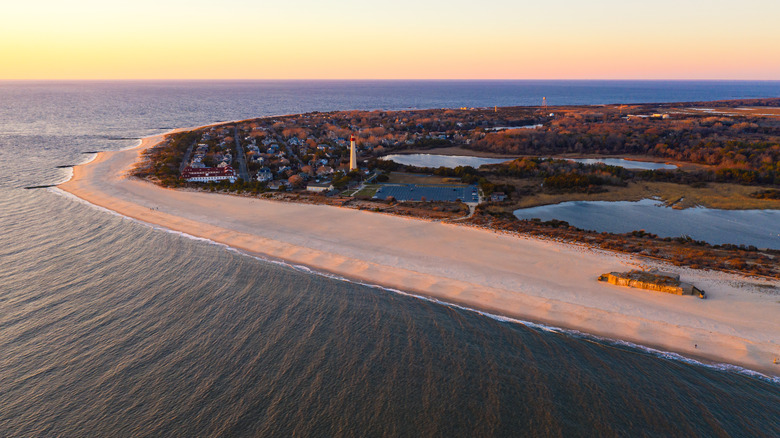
{"x":352,"y":153}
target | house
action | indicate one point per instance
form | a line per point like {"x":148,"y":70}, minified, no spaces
{"x":208,"y":174}
{"x":319,"y":186}
{"x":497,"y":197}
{"x":324,"y":170}
{"x":278,"y":185}
{"x":265,"y":175}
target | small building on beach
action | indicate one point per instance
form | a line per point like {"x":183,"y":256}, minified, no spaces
{"x":653,"y":280}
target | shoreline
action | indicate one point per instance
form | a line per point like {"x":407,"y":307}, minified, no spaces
{"x":655,"y":350}
{"x":522,"y":278}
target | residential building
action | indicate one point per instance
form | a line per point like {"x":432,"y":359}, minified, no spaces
{"x":319,"y":186}
{"x":208,"y":174}
{"x":265,"y":175}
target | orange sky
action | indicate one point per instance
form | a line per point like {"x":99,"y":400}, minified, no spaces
{"x":423,"y":39}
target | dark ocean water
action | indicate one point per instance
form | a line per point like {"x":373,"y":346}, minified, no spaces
{"x":109,"y":327}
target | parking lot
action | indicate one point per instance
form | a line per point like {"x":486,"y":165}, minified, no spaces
{"x":415,"y":192}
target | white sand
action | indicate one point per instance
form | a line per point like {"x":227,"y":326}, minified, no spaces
{"x":525,"y":278}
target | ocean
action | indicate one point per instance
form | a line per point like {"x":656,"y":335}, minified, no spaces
{"x":111,"y":327}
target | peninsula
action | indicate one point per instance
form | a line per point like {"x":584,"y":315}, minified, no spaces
{"x":524,"y":276}
{"x":719,"y":155}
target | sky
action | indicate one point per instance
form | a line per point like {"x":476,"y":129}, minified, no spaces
{"x":400,"y":39}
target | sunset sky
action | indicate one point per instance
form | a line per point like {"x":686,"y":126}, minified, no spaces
{"x":402,"y":39}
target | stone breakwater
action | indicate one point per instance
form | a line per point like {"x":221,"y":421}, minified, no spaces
{"x":653,"y":280}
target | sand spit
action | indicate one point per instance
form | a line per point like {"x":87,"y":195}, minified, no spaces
{"x":525,"y":278}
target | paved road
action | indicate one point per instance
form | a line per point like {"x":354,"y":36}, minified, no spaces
{"x":243,"y":173}
{"x":185,"y":161}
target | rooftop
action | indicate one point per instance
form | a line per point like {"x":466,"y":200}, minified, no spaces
{"x":416,"y":192}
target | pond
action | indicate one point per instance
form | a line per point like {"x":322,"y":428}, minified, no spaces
{"x":628,"y":164}
{"x":451,"y":161}
{"x":760,"y":228}
{"x":433,"y":160}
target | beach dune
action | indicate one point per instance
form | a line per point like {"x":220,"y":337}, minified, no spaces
{"x":519,"y":277}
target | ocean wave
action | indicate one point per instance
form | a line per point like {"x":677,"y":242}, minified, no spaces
{"x":138,"y":143}
{"x":69,"y":170}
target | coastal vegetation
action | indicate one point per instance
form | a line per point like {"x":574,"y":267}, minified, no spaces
{"x":162,"y":163}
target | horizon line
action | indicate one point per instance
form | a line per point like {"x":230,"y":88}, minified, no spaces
{"x":383,"y":79}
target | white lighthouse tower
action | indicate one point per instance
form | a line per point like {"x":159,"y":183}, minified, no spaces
{"x":352,"y":153}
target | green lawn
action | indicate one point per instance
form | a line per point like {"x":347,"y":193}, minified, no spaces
{"x":418,"y":178}
{"x":368,"y":191}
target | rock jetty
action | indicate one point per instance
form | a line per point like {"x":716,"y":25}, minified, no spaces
{"x":653,"y":280}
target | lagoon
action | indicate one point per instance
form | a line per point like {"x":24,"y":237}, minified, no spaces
{"x":760,"y":228}
{"x":628,"y":164}
{"x":451,"y":161}
{"x":436,"y":161}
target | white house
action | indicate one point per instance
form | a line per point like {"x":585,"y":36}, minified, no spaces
{"x":208,"y":174}
{"x":319,"y":187}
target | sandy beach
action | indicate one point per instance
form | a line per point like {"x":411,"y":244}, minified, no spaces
{"x":525,"y":278}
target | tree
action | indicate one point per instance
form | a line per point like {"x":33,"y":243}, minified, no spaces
{"x":296,"y":181}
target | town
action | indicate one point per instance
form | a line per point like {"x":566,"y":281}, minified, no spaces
{"x":334,"y":153}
